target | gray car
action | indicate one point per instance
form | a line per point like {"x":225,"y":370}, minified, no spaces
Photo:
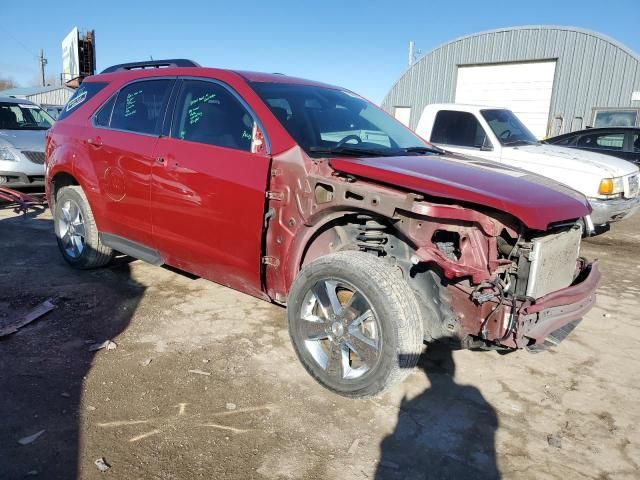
{"x":23,"y":126}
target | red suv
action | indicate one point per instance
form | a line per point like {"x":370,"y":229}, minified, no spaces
{"x":309,"y":196}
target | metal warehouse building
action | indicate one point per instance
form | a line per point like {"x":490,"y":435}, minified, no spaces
{"x":556,"y":79}
{"x":48,"y":97}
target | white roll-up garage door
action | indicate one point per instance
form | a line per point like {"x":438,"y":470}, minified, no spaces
{"x":524,"y":88}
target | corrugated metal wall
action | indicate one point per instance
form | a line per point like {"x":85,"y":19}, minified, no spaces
{"x":52,"y":97}
{"x":592,"y":70}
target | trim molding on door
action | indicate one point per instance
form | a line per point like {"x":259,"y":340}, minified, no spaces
{"x":133,"y":249}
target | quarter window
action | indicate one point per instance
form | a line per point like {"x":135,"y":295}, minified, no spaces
{"x":103,"y":117}
{"x":140,"y":106}
{"x":86,"y":91}
{"x":207,"y":112}
{"x":458,"y":128}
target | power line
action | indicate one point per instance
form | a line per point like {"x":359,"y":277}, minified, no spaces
{"x":35,"y":55}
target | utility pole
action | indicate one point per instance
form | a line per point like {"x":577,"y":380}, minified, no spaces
{"x":43,"y":62}
{"x":410,"y":62}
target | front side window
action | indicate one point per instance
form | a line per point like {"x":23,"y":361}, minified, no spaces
{"x":460,"y":129}
{"x":615,"y":118}
{"x":207,"y":112}
{"x":140,"y":106}
{"x":23,"y":116}
{"x":326,"y":120}
{"x":508,"y":128}
{"x":605,"y":141}
{"x":565,"y":141}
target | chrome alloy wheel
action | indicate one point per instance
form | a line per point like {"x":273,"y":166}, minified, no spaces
{"x":71,"y":229}
{"x":340,"y":330}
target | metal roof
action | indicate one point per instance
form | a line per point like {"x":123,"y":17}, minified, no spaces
{"x":592,"y":70}
{"x":27,"y":91}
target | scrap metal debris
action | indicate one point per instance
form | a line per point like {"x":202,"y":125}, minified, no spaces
{"x":102,"y":464}
{"x":200,"y":372}
{"x":39,"y":311}
{"x":30,"y":438}
{"x":23,"y":201}
{"x":108,"y":344}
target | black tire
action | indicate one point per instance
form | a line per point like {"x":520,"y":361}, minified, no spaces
{"x":395,"y":313}
{"x":93,"y":253}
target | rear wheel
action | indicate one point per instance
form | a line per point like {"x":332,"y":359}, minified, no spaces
{"x":76,"y":231}
{"x":354,"y":323}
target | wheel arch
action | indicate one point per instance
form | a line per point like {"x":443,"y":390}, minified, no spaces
{"x":314,"y":240}
{"x":59,"y":180}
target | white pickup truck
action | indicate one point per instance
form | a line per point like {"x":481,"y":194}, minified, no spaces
{"x":609,"y":183}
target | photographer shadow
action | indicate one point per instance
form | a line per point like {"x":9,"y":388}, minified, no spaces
{"x":446,"y":432}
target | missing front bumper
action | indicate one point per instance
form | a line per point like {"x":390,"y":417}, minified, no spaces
{"x":544,"y":320}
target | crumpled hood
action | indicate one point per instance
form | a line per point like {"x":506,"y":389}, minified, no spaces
{"x":31,"y":140}
{"x":570,"y":158}
{"x":534,"y":200}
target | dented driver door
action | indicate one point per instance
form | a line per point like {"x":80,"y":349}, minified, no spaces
{"x":208,"y":187}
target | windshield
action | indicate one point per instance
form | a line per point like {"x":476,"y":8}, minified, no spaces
{"x":325,"y":120}
{"x":507,"y":127}
{"x":23,"y":116}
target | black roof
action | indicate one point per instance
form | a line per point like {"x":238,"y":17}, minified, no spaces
{"x":595,"y":130}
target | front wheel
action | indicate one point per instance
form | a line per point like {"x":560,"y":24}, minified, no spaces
{"x":354,"y":323}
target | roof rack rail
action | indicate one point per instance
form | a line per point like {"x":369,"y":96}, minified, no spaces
{"x":175,"y":62}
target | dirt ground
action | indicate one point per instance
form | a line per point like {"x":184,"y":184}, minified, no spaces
{"x":249,"y":411}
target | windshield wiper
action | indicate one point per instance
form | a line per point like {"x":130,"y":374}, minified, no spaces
{"x":350,"y":151}
{"x":424,"y":149}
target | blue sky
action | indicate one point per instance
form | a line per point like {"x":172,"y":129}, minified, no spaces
{"x":358,"y":45}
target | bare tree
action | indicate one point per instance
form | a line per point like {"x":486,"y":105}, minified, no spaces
{"x":51,"y":79}
{"x":6,"y":83}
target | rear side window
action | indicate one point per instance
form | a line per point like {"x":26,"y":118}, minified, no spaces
{"x":140,"y":106}
{"x":85,"y":92}
{"x":605,"y":141}
{"x":207,"y":112}
{"x":457,"y":128}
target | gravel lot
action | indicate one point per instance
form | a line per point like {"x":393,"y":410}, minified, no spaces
{"x":204,"y":384}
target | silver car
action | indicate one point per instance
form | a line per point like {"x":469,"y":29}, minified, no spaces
{"x":23,"y":126}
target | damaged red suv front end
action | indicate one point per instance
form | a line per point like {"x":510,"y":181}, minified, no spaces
{"x":505,"y":275}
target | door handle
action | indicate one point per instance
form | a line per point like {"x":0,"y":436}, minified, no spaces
{"x":165,"y":163}
{"x":96,"y":142}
